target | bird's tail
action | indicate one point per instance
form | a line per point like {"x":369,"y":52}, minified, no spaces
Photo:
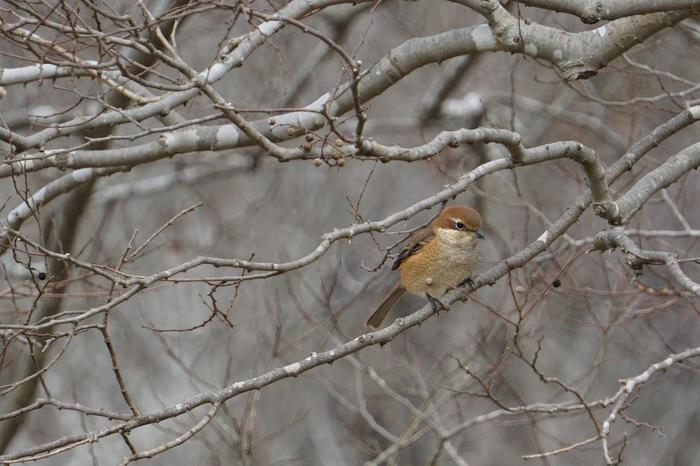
{"x":377,"y":317}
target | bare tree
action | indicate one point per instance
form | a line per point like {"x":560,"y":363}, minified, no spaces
{"x":200,"y":199}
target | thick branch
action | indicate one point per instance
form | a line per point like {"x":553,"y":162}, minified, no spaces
{"x":235,"y":58}
{"x":576,"y":55}
{"x":661,"y":177}
{"x":52,"y":190}
{"x":592,"y":11}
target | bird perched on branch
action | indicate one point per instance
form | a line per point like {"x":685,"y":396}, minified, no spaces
{"x":438,"y":256}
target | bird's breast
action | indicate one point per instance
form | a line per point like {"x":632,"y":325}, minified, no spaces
{"x":437,"y":267}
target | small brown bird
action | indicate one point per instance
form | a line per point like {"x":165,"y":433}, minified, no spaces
{"x":439,"y":256}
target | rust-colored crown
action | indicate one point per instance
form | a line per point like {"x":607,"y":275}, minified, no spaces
{"x":467,"y":215}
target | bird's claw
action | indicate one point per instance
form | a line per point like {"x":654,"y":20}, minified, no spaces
{"x":466,"y":281}
{"x":436,"y":304}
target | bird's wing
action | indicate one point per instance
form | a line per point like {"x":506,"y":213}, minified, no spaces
{"x":416,"y":242}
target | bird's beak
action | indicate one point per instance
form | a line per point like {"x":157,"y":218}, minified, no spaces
{"x":479,"y":234}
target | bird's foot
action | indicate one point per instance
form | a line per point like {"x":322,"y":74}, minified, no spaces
{"x":466,"y":281}
{"x":437,"y":304}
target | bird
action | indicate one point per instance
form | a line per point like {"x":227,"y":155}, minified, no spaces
{"x":439,"y":256}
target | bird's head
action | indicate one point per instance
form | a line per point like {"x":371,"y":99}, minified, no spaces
{"x":459,"y":224}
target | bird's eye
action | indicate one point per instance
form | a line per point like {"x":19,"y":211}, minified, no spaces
{"x":459,"y":225}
